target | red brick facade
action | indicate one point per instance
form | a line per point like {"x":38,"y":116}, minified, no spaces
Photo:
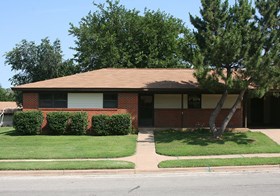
{"x":200,"y":117}
{"x":168,"y":118}
{"x":128,"y":103}
{"x":30,"y":101}
{"x":193,"y":118}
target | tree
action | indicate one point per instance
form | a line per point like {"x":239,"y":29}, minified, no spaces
{"x":6,"y":94}
{"x":235,"y":45}
{"x":114,"y":36}
{"x":269,"y":23}
{"x":37,"y":62}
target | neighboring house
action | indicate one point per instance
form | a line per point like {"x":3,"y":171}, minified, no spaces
{"x":153,"y":97}
{"x":7,"y":109}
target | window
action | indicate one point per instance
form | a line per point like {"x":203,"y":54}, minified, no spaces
{"x":194,"y":101}
{"x":53,"y":100}
{"x":110,"y":100}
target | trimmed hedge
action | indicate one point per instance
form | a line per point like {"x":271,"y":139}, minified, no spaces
{"x":58,"y":122}
{"x":100,"y":125}
{"x":119,"y":124}
{"x":79,"y":123}
{"x":66,"y":123}
{"x":28,"y":123}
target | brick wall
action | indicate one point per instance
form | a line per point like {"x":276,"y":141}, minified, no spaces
{"x":127,"y":103}
{"x":30,"y":101}
{"x":193,"y":118}
{"x":200,"y":117}
{"x":168,"y":118}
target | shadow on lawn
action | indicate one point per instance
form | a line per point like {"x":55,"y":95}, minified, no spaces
{"x":200,"y":137}
{"x":11,"y":132}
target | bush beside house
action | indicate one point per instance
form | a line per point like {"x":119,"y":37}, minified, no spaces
{"x":79,"y":123}
{"x":58,"y":122}
{"x":100,"y":125}
{"x":67,"y":123}
{"x":28,"y":123}
{"x":119,"y":124}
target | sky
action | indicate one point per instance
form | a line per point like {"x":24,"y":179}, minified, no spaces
{"x":34,"y":20}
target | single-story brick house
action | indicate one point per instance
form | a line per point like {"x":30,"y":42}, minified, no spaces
{"x":153,"y":97}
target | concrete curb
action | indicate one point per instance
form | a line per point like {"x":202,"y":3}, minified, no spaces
{"x":253,"y":168}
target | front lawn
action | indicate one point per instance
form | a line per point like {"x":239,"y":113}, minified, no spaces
{"x":220,"y":162}
{"x":200,"y":142}
{"x":66,"y":165}
{"x":13,"y":146}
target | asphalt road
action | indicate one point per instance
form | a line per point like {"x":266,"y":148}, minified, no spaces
{"x":242,"y":183}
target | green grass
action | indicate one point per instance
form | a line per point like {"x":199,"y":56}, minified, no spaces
{"x":219,"y":162}
{"x":13,"y":146}
{"x":200,"y":142}
{"x":66,"y":165}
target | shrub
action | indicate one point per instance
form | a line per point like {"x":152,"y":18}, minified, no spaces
{"x":28,"y":123}
{"x":119,"y":124}
{"x":79,"y":123}
{"x":100,"y":125}
{"x":58,"y":122}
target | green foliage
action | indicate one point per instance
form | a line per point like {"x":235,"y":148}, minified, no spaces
{"x":237,"y":47}
{"x":201,"y":142}
{"x":214,"y":162}
{"x":101,"y":125}
{"x":58,"y":122}
{"x":37,"y":62}
{"x":6,"y":94}
{"x":79,"y":123}
{"x":119,"y":124}
{"x":28,"y":123}
{"x":66,"y":165}
{"x":268,"y":19}
{"x":237,"y":43}
{"x":64,"y":147}
{"x":119,"y":37}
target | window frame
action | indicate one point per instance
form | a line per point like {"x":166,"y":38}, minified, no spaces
{"x":114,"y":101}
{"x":54,"y":102}
{"x":192,"y":104}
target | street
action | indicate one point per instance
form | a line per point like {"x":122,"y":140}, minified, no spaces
{"x":234,"y":183}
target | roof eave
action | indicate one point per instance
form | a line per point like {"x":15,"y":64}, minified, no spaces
{"x":106,"y":89}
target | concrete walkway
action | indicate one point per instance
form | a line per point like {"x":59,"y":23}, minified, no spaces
{"x":147,"y":159}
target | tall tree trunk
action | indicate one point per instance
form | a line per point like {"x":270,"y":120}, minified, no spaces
{"x":215,"y":113}
{"x":231,"y":113}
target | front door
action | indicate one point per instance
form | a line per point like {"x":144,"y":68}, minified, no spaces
{"x":275,"y":111}
{"x":146,"y":110}
{"x":257,"y":110}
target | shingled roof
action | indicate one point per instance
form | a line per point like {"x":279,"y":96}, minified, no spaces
{"x":8,"y":106}
{"x":114,"y":78}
